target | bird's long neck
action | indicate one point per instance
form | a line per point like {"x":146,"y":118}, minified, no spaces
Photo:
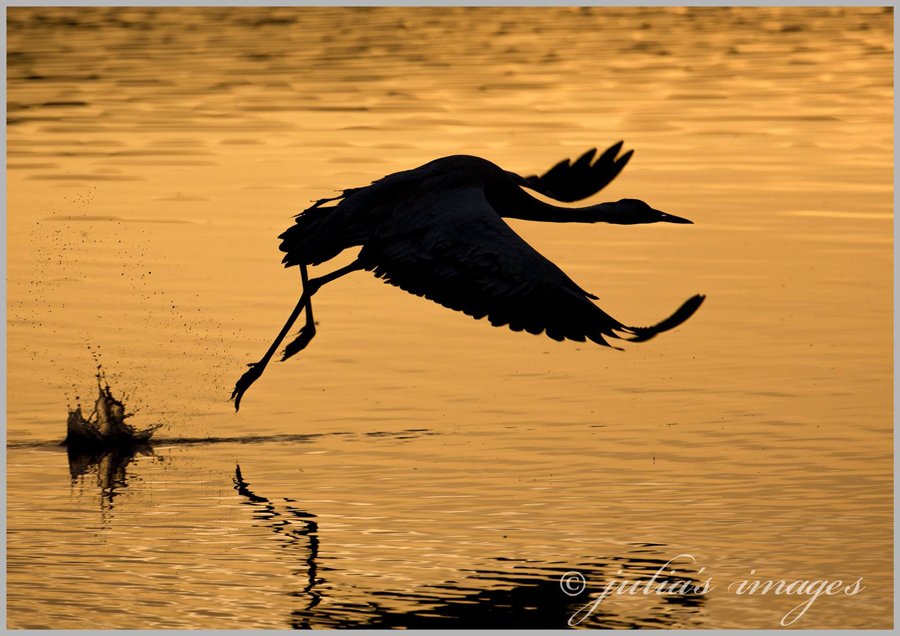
{"x":511,"y":201}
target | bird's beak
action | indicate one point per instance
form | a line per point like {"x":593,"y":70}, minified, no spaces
{"x":671,"y":218}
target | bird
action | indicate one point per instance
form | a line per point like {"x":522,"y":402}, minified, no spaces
{"x":437,"y":231}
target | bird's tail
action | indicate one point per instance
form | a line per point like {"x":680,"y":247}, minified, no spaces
{"x":319,"y":233}
{"x":640,"y":334}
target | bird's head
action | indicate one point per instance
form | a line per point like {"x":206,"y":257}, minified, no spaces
{"x":634,"y":211}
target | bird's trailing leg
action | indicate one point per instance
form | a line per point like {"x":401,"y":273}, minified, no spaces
{"x":307,"y":331}
{"x":310,"y":287}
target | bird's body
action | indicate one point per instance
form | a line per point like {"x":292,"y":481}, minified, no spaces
{"x":436,"y":231}
{"x":393,"y":206}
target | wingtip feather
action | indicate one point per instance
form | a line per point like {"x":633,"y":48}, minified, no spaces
{"x":681,"y":314}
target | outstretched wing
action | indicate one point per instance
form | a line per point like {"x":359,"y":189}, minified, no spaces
{"x":454,"y":249}
{"x":567,"y":181}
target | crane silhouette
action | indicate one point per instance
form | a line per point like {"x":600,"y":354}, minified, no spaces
{"x":437,"y":231}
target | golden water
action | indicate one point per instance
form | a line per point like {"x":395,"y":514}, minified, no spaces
{"x":414,"y":467}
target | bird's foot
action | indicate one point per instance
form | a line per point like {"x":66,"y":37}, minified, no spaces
{"x":300,"y":342}
{"x":241,"y":386}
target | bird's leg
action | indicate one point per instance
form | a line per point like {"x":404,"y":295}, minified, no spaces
{"x":310,"y":287}
{"x":307,"y":331}
{"x":256,"y":368}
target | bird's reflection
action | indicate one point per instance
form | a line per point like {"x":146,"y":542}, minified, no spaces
{"x":521,"y":594}
{"x":112,"y":464}
{"x":299,"y":529}
{"x":514,"y":594}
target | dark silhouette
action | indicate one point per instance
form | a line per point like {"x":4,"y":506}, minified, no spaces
{"x":299,"y":529}
{"x":503,"y":593}
{"x":436,"y":231}
{"x":105,"y":427}
{"x":521,"y":595}
{"x":110,"y":465}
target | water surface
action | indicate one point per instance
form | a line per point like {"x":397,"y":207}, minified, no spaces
{"x":413,"y":467}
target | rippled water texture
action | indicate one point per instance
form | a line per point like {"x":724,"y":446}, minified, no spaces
{"x":415,"y":467}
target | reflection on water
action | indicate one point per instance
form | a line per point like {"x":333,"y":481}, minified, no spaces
{"x":300,"y":532}
{"x":522,"y":594}
{"x":109,"y":466}
{"x":416,"y":467}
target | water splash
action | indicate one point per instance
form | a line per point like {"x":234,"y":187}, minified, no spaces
{"x":105,"y":426}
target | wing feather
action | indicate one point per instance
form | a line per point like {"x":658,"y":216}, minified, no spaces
{"x":568,"y":181}
{"x":454,"y":249}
